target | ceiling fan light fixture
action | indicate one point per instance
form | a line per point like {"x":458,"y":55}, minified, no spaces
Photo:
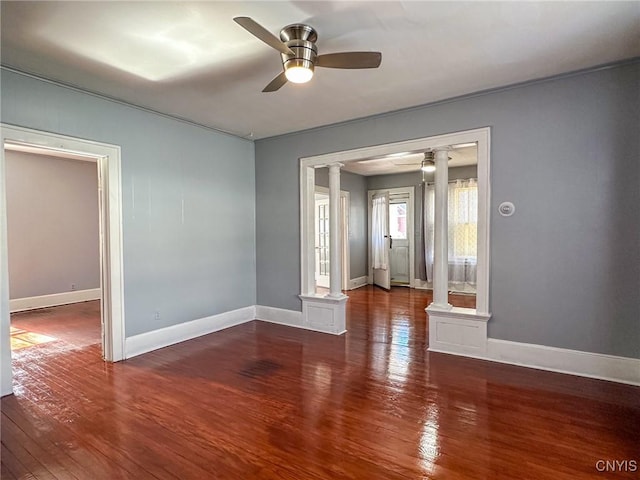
{"x":299,"y":53}
{"x":428,"y":166}
{"x":298,"y":68}
{"x":298,"y":73}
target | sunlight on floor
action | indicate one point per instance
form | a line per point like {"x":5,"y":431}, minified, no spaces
{"x":23,"y":339}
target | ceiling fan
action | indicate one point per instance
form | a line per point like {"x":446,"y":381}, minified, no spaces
{"x":427,"y":164}
{"x":299,"y":53}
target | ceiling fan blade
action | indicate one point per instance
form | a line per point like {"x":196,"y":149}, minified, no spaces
{"x":276,"y":83}
{"x":257,"y":30}
{"x":349,"y":60}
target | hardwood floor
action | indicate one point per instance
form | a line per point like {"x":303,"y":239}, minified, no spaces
{"x":266,"y":401}
{"x":75,"y":325}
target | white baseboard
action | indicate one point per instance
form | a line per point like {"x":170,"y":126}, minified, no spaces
{"x":163,"y":337}
{"x":459,"y":331}
{"x":149,"y":341}
{"x":280,"y":316}
{"x":421,"y":284}
{"x":53,"y":300}
{"x":574,"y":362}
{"x":358,"y":282}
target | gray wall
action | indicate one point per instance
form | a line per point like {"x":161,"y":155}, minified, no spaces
{"x":184,"y":266}
{"x":414,"y":179}
{"x":356,"y":185}
{"x":565,"y":269}
{"x":52,"y":224}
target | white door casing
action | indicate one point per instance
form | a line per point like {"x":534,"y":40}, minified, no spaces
{"x":112,"y":283}
{"x":406,"y":194}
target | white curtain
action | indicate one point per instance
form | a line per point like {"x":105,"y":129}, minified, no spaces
{"x":378,"y":231}
{"x":463,"y":233}
{"x":428,"y":223}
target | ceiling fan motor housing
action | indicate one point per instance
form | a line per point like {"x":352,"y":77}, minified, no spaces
{"x":300,"y":39}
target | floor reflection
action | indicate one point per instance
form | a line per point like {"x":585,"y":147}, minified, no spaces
{"x":21,"y":338}
{"x":267,"y":401}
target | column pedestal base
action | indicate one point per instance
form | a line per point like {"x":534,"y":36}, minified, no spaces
{"x":324,"y":313}
{"x":457,"y":330}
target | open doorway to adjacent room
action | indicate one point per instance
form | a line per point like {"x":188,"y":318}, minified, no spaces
{"x":61,"y":254}
{"x":401,"y":220}
{"x":53,"y":246}
{"x":399,"y":179}
{"x":391,"y":237}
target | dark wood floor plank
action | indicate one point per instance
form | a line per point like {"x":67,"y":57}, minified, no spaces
{"x":100,"y":453}
{"x":86,"y":452}
{"x":14,"y":466}
{"x":39,"y":454}
{"x":266,"y":401}
{"x":5,"y":473}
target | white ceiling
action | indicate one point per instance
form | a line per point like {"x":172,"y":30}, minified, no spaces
{"x":190,"y":60}
{"x":458,"y":157}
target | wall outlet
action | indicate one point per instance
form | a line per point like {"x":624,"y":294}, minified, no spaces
{"x":156,"y":315}
{"x":73,"y":287}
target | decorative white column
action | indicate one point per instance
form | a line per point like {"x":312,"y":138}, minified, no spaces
{"x":461,"y":331}
{"x":328,"y":313}
{"x":335,"y":252}
{"x":441,"y":234}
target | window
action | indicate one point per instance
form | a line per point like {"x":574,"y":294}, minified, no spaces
{"x":398,"y":220}
{"x":462,"y":235}
{"x":463,"y":220}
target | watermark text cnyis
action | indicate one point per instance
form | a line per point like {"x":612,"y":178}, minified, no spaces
{"x":617,"y":465}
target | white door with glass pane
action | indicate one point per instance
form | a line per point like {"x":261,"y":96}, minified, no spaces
{"x":380,"y":240}
{"x":399,"y":241}
{"x":322,"y":240}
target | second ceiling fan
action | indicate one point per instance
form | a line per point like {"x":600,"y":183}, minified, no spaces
{"x":299,"y":53}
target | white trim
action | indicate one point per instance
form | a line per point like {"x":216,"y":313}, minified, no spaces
{"x":484,"y":222}
{"x":562,"y":360}
{"x":163,"y":337}
{"x":112,"y":281}
{"x":53,"y":300}
{"x":421,"y":284}
{"x":481,"y":136}
{"x":280,"y":316}
{"x":307,"y":230}
{"x":420,"y":144}
{"x":358,"y":282}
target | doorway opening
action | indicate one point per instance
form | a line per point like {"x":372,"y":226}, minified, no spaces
{"x":458,"y":318}
{"x":391,"y":237}
{"x":108,"y":297}
{"x":53,"y":243}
